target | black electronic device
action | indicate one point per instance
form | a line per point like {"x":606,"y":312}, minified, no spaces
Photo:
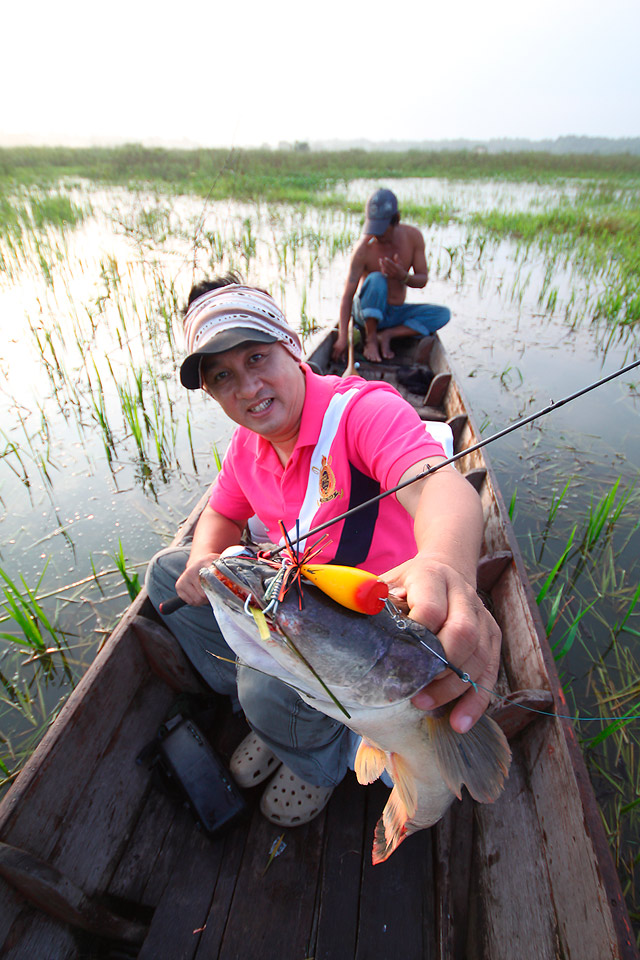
{"x":194,"y":772}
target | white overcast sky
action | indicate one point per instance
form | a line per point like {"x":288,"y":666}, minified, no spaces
{"x":235,"y":74}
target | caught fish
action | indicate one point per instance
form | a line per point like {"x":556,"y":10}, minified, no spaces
{"x":362,"y":670}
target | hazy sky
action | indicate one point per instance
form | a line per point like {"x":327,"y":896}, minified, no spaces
{"x":243,"y":74}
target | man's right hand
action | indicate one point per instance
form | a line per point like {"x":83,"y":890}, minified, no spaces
{"x":188,"y":585}
{"x":339,"y":347}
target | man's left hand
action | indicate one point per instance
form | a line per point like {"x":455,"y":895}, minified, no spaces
{"x":392,"y":269}
{"x":439,"y":597}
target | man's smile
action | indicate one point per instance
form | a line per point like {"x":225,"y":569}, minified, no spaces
{"x":261,"y":406}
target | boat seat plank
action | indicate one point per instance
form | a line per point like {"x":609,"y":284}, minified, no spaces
{"x":521,"y":708}
{"x":339,"y":895}
{"x":431,"y":413}
{"x":457,"y":424}
{"x":165,"y":656}
{"x":396,"y":913}
{"x":513,"y":907}
{"x":437,"y":390}
{"x":55,"y":894}
{"x":476,"y":477}
{"x":418,"y":351}
{"x":491,"y":567}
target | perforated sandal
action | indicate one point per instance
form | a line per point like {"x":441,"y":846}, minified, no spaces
{"x":290,"y":802}
{"x":252,"y":762}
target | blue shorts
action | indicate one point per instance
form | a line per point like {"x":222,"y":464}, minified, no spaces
{"x":371,"y":302}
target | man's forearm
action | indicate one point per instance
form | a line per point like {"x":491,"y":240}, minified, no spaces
{"x":345,"y":315}
{"x":448,"y":521}
{"x":213,"y":534}
{"x":417,"y":280}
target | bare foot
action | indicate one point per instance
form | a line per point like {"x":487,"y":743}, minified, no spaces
{"x":385,"y":346}
{"x":371,"y":350}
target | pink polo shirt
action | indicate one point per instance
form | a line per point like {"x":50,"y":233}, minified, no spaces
{"x":356,"y":440}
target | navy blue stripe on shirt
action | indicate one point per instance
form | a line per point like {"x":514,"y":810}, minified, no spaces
{"x":357,"y":533}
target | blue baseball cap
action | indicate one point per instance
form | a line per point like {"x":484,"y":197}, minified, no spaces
{"x":381,"y":207}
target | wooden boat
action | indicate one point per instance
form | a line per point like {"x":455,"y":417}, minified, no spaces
{"x":98,"y":863}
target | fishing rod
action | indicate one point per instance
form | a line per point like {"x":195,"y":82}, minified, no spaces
{"x":169,"y":606}
{"x":463,"y":453}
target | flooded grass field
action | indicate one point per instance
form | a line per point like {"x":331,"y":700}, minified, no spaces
{"x":102,"y":452}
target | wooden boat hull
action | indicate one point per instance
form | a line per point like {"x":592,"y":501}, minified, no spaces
{"x":530,"y":875}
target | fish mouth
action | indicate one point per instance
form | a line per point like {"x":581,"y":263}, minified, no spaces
{"x":247,"y":592}
{"x":232,"y":580}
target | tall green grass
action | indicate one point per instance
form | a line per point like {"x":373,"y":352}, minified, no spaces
{"x":591,"y":590}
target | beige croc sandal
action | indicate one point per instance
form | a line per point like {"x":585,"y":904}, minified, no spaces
{"x":252,"y":762}
{"x":290,"y":802}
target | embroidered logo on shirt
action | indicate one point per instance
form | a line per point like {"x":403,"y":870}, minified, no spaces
{"x":327,"y":481}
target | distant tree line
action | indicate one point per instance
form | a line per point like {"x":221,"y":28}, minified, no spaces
{"x":561,"y":145}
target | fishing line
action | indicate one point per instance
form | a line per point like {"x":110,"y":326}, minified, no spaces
{"x":465,"y":679}
{"x":554,"y":405}
{"x":559,"y":716}
{"x":494,"y":693}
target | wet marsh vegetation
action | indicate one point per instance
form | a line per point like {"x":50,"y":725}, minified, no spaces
{"x":102,"y":453}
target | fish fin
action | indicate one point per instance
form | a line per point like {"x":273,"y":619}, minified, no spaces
{"x":405,"y":783}
{"x":390,"y":829}
{"x":370,"y":762}
{"x":478,"y":759}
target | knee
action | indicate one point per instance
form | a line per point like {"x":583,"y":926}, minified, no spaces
{"x":445,"y":316}
{"x":376,"y":281}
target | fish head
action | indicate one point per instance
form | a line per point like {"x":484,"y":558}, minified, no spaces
{"x":366,"y":659}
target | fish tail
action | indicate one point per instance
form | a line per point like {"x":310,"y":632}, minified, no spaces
{"x":478,"y":759}
{"x":391,"y":828}
{"x":370,"y":762}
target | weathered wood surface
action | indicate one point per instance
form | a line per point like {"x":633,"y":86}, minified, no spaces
{"x":53,"y":893}
{"x":508,"y":843}
{"x":527,"y":876}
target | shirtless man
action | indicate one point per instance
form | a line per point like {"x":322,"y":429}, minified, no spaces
{"x":389,"y":258}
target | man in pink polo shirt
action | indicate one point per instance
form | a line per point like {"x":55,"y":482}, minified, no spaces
{"x":307,"y":449}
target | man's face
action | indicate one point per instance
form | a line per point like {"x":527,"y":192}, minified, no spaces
{"x":260,"y":386}
{"x":383,"y":237}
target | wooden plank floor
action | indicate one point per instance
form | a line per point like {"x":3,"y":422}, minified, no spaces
{"x":321,"y":897}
